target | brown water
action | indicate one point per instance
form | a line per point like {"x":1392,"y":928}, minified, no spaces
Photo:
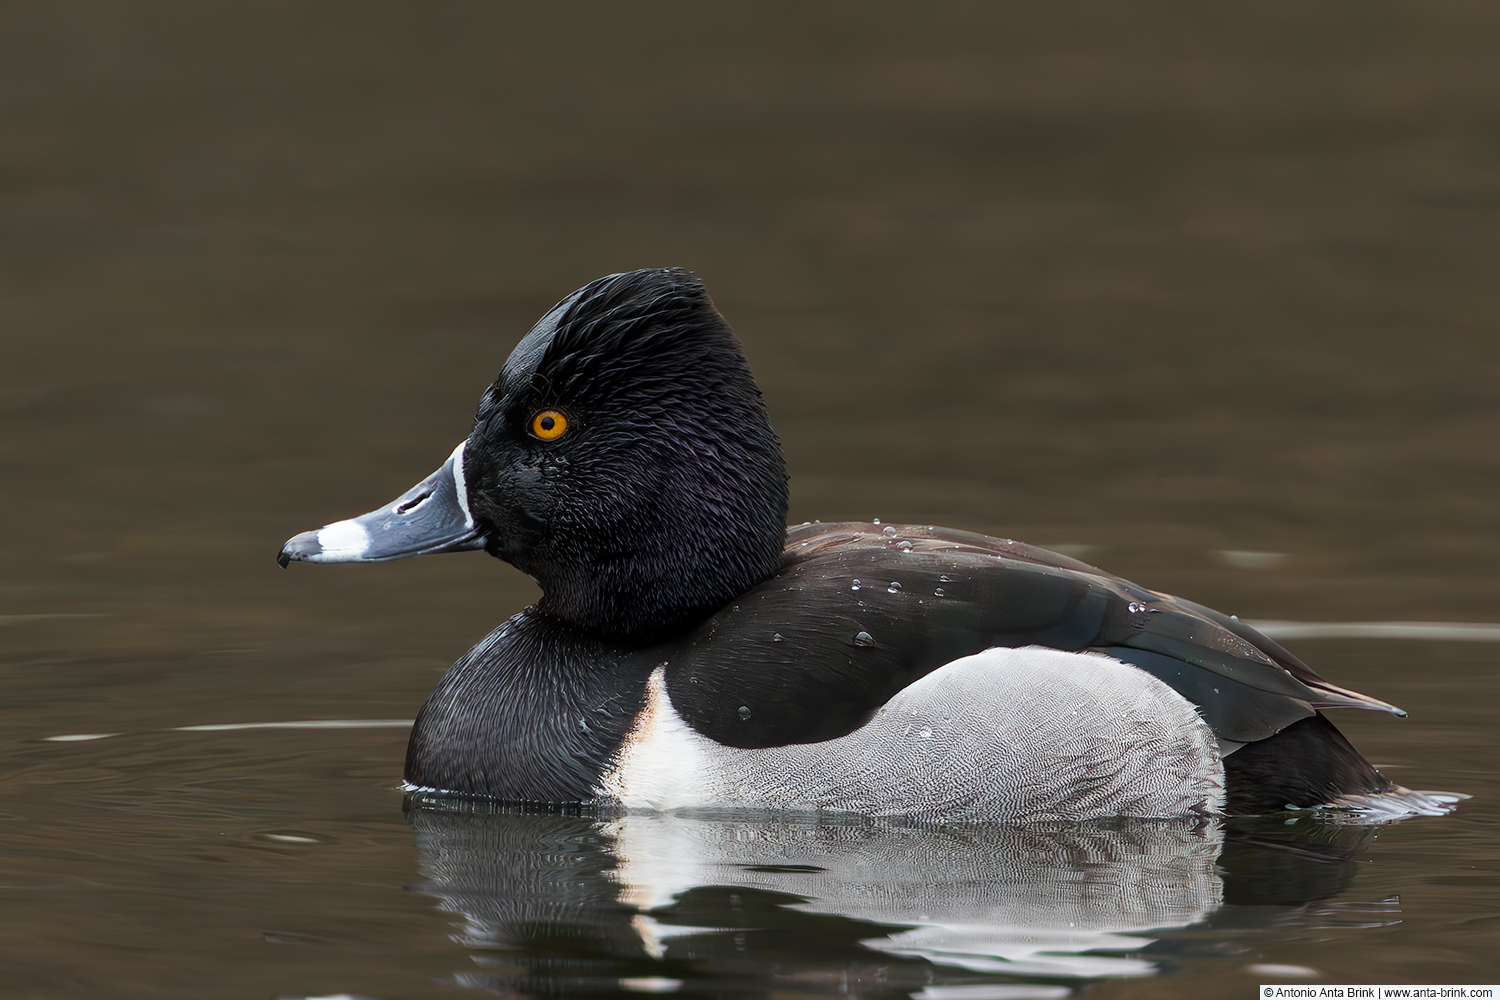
{"x":1158,"y":281}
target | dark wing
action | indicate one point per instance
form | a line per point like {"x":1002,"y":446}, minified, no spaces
{"x":856,"y":614}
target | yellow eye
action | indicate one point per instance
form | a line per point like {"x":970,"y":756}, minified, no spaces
{"x":549,"y":425}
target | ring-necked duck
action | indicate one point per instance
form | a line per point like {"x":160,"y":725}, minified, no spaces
{"x":690,"y":652}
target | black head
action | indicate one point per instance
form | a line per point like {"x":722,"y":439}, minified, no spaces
{"x":624,"y":460}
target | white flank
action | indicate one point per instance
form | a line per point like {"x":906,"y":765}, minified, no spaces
{"x":1004,"y":735}
{"x":661,"y":759}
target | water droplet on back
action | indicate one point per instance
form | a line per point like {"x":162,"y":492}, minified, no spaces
{"x":890,"y":529}
{"x":904,"y":545}
{"x":744,"y":712}
{"x":854,"y":585}
{"x":776,"y":637}
{"x":863,"y":638}
{"x":894,"y":588}
{"x":938,"y":592}
{"x":945,"y":578}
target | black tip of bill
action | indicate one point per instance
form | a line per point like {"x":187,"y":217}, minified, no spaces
{"x":301,"y":548}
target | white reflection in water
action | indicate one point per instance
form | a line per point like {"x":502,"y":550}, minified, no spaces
{"x":224,"y":727}
{"x":1448,"y":631}
{"x":229,"y":727}
{"x":1007,"y":900}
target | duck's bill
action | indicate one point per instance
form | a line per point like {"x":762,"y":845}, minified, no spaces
{"x":432,"y":516}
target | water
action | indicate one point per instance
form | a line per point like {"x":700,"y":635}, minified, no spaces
{"x":1207,"y":300}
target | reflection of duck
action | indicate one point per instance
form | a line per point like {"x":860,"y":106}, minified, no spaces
{"x":1020,"y":900}
{"x":689,"y":652}
{"x":554,"y":904}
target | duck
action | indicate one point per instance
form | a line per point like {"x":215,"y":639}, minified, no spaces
{"x":691,"y":653}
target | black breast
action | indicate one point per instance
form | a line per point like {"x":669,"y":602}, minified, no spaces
{"x":534,"y":714}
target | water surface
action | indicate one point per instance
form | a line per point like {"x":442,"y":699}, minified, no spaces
{"x":1208,"y":300}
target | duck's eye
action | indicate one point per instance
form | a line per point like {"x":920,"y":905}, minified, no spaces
{"x":549,"y":425}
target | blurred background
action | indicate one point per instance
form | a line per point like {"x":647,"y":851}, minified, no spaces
{"x":1207,"y":295}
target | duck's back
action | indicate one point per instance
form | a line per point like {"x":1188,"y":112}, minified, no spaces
{"x":859,"y":611}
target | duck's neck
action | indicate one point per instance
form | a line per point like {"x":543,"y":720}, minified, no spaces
{"x":681,"y":558}
{"x":636,"y":599}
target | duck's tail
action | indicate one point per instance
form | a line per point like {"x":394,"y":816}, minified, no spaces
{"x":1310,"y":765}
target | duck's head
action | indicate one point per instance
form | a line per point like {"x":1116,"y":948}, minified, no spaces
{"x":623,"y":459}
